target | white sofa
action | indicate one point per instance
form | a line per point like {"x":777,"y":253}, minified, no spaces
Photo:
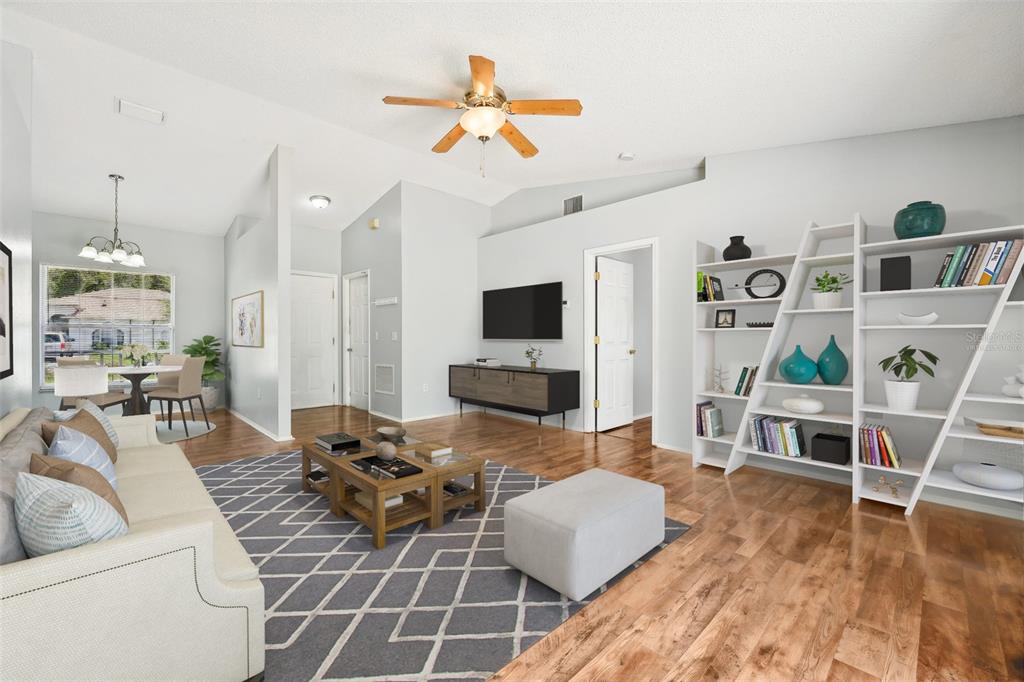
{"x":177,"y":598}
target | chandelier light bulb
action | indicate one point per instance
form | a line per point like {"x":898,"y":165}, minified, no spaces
{"x":135,"y":260}
{"x":104,"y":257}
{"x":88,"y":251}
{"x":118,"y":255}
{"x":482,"y":122}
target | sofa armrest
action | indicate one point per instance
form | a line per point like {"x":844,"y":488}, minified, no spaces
{"x":147,"y":605}
{"x":137,"y":431}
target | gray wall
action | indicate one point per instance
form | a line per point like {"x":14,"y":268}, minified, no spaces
{"x":643,"y":328}
{"x":16,"y":215}
{"x":196,"y":261}
{"x":380,"y":252}
{"x":976,"y":170}
{"x":537,"y":204}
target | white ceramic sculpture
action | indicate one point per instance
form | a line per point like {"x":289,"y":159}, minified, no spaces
{"x":918,"y":320}
{"x":803,"y":404}
{"x":985,"y":475}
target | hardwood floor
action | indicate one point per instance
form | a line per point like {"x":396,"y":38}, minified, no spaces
{"x":780,"y":577}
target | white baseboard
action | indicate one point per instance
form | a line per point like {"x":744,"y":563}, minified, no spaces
{"x":393,"y":418}
{"x":265,"y":432}
{"x":641,"y":416}
{"x":438,"y":416}
{"x":674,"y":448}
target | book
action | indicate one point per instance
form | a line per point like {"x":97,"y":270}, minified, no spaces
{"x":338,"y":442}
{"x":366,"y":500}
{"x":1011,"y":260}
{"x":702,"y":292}
{"x":395,"y":468}
{"x":700,"y":421}
{"x":972,"y":270}
{"x":798,"y":434}
{"x":1002,"y":260}
{"x":739,"y":383}
{"x":980,"y":270}
{"x":993,"y":261}
{"x":958,"y":255}
{"x":958,"y":278}
{"x":715,"y":422}
{"x":891,"y":447}
{"x":717,"y":290}
{"x":750,"y":380}
{"x":942,"y":270}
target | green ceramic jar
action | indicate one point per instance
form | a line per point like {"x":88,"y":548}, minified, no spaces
{"x":919,"y":219}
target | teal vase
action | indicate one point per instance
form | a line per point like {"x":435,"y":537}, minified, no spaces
{"x":832,"y":364}
{"x":919,"y":219}
{"x":798,"y":368}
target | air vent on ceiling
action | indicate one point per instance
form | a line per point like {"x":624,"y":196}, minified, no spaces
{"x":572,"y":204}
{"x":384,"y":379}
{"x":143,"y":113}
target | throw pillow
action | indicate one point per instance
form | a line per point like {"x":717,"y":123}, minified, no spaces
{"x":94,"y":410}
{"x":82,"y":422}
{"x":77,"y":474}
{"x":11,"y":549}
{"x":53,"y":515}
{"x":76,"y":446}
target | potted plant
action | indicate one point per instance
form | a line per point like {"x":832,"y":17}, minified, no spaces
{"x":136,"y":353}
{"x":901,"y":394}
{"x":208,"y":347}
{"x":828,"y":290}
{"x":533,"y":355}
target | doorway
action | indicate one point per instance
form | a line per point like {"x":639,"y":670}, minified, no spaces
{"x":356,"y":369}
{"x":314,"y":332}
{"x":620,"y":358}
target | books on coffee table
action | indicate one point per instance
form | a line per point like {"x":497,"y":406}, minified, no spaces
{"x":338,"y":443}
{"x":395,"y":468}
{"x":435,"y":453}
{"x":366,"y":500}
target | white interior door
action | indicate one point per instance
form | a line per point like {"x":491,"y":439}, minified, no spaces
{"x":615,"y":351}
{"x":358,"y":350}
{"x":314,"y":329}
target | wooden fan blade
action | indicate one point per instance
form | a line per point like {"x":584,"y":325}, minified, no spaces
{"x":449,"y":140}
{"x":482,"y":70}
{"x":546,"y":107}
{"x":517,"y":140}
{"x":420,"y":102}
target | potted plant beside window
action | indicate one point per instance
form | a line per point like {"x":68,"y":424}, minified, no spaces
{"x":828,"y":290}
{"x":901,"y":394}
{"x":208,"y":347}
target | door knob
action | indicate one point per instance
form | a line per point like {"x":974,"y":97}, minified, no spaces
{"x":632,"y":351}
{"x":349,"y":350}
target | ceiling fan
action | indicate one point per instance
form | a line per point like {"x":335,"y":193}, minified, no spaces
{"x":487,"y":110}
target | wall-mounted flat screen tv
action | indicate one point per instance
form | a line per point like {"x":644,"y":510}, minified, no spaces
{"x":533,"y":312}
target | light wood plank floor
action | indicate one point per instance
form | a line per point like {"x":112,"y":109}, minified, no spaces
{"x":780,"y":578}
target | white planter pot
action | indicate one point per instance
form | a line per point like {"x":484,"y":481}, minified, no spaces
{"x":902,"y":395}
{"x":211,"y":396}
{"x":828,"y":300}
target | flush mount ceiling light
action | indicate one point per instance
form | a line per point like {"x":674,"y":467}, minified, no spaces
{"x":113,"y":250}
{"x":320,"y":201}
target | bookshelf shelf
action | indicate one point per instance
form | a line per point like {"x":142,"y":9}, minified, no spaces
{"x":1014,"y":304}
{"x":917,"y":328}
{"x":923,"y":414}
{"x":831,"y":417}
{"x":838,"y":231}
{"x":812,"y":311}
{"x":935,"y":291}
{"x":884,"y":496}
{"x":796,"y":460}
{"x":986,"y":398}
{"x":945,"y":480}
{"x":911,"y":467}
{"x":718,"y":394}
{"x":941,"y":241}
{"x":715,"y":459}
{"x":747,"y":263}
{"x":831,"y":259}
{"x":733,"y":329}
{"x":966,"y":433}
{"x":841,"y":388}
{"x":726,"y":438}
{"x":740,"y":301}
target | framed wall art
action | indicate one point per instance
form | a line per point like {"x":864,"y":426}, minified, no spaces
{"x":247,"y":320}
{"x":6,"y":313}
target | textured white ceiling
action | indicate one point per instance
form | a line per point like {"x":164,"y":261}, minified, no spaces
{"x":671,"y":82}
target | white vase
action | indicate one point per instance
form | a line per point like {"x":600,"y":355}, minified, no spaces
{"x":902,"y":395}
{"x":828,"y":300}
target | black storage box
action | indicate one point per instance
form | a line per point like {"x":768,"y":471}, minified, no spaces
{"x":895,"y":273}
{"x":828,"y":448}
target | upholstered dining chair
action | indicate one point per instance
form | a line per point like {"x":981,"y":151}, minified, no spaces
{"x":102,"y":401}
{"x":188,"y":388}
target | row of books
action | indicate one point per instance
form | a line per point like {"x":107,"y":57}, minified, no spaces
{"x":746,"y":381}
{"x":878,"y":447}
{"x":778,"y":436}
{"x":979,"y":264}
{"x":709,"y":288}
{"x":709,"y":420}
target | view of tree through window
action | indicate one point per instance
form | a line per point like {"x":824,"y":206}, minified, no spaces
{"x":97,"y":312}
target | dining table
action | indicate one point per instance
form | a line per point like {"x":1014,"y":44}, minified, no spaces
{"x":136,"y":375}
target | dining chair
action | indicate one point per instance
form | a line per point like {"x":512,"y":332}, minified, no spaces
{"x":103,"y":400}
{"x":188,"y":388}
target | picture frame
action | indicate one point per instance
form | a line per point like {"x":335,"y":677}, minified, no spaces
{"x":6,"y":312}
{"x":247,"y":320}
{"x":725,"y":318}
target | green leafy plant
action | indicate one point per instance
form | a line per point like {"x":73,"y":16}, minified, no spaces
{"x":826,"y":282}
{"x":904,"y":365}
{"x":207,"y":347}
{"x":533,"y":354}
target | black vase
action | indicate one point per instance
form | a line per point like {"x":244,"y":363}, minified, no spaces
{"x":736,"y":250}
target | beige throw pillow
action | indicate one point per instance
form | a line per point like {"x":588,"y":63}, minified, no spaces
{"x":82,"y":422}
{"x":77,"y":474}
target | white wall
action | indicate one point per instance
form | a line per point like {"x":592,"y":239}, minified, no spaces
{"x":976,"y":170}
{"x":16,"y":214}
{"x":380,"y":252}
{"x":257,"y":256}
{"x":441,"y":301}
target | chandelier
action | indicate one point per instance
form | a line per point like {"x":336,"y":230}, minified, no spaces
{"x":113,"y":250}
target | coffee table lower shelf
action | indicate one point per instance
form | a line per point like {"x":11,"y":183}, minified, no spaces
{"x":412,"y":509}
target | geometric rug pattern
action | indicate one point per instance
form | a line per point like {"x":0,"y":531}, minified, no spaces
{"x":436,"y":604}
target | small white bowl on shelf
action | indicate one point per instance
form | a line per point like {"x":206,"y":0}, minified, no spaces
{"x":803,"y":404}
{"x":918,"y":320}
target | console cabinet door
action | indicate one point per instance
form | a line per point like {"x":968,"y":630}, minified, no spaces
{"x":529,"y":391}
{"x":494,"y":386}
{"x":463,"y":382}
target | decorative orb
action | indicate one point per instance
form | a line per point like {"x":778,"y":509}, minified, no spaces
{"x":985,"y":475}
{"x":386,"y":451}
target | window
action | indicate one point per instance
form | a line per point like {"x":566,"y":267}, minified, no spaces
{"x":97,"y":312}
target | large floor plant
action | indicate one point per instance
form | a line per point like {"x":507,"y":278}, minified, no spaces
{"x":208,"y":347}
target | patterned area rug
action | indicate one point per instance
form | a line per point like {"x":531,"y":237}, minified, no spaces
{"x":433,"y":605}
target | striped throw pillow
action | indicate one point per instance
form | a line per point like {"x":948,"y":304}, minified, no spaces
{"x":53,"y":515}
{"x":75,"y":446}
{"x":94,"y":410}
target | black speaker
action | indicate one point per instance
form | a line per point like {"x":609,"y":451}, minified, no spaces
{"x":828,"y":448}
{"x":895,"y":273}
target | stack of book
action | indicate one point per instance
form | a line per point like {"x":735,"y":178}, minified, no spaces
{"x":435,"y":453}
{"x":338,"y":443}
{"x":778,"y":436}
{"x":709,"y":288}
{"x":709,"y":420}
{"x":366,"y":499}
{"x":487,"y":362}
{"x":877,"y":447}
{"x":979,"y":264}
{"x":746,"y":381}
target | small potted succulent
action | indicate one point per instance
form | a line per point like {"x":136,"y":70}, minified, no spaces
{"x":901,"y":393}
{"x":208,"y":347}
{"x":533,"y":355}
{"x":828,"y":290}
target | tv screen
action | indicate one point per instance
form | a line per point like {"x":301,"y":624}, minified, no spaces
{"x":533,"y":312}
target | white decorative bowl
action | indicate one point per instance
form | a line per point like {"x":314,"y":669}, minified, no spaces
{"x":985,"y":475}
{"x":391,"y":433}
{"x":918,"y":320}
{"x":803,"y":405}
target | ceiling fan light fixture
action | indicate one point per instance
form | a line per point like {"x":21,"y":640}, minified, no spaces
{"x":482,"y":122}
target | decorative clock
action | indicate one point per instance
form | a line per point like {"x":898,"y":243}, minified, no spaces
{"x":765,"y":283}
